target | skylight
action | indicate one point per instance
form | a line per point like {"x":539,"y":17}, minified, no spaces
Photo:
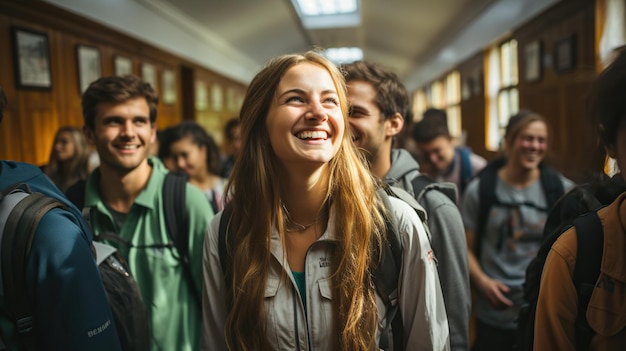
{"x":316,"y":14}
{"x":344,"y":55}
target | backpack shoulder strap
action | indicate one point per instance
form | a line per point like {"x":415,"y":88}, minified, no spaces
{"x":466,"y":168}
{"x":420,"y":183}
{"x":552,"y":185}
{"x":487,"y":198}
{"x":387,"y":275}
{"x":423,"y":183}
{"x":222,"y":244}
{"x":23,"y":219}
{"x":76,"y":193}
{"x":177,"y":221}
{"x":590,"y":239}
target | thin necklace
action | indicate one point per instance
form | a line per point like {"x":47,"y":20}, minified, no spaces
{"x":293,"y":226}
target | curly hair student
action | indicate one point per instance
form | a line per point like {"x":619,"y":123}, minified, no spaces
{"x":306,"y":218}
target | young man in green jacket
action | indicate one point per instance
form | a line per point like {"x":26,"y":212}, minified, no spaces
{"x":125,"y":196}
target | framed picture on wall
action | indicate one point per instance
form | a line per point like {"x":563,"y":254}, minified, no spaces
{"x":168,"y":81}
{"x":149,"y":74}
{"x":565,"y":54}
{"x":31,"y":58}
{"x":89,"y":65}
{"x":532,"y":61}
{"x":122,"y":65}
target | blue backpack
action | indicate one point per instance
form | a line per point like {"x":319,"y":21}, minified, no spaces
{"x":21,"y":210}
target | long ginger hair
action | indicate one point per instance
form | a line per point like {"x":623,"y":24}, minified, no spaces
{"x":256,"y":202}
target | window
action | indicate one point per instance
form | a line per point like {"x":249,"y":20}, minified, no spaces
{"x":443,"y":94}
{"x":502,"y":93}
{"x":453,"y":103}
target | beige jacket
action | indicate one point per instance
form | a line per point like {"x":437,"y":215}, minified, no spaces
{"x":557,"y":305}
{"x":290,"y":328}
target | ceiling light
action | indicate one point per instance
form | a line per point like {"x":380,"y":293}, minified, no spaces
{"x":344,"y":55}
{"x":328,"y":13}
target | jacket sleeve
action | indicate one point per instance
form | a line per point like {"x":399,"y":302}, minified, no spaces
{"x":448,"y":242}
{"x":71,"y":309}
{"x":557,"y":304}
{"x":213,"y":292}
{"x":421,"y":300}
{"x":200,"y":214}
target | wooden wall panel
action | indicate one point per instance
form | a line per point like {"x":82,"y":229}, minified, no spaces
{"x":33,"y":116}
{"x":560,"y":96}
{"x":473,"y":110}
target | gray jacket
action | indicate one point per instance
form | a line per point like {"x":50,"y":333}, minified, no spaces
{"x":290,"y":327}
{"x":447,"y":239}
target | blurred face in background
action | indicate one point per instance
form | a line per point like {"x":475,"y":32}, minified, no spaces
{"x":64,"y":147}
{"x":189,"y":157}
{"x":437,"y":153}
{"x":235,"y":146}
{"x":528,"y":148}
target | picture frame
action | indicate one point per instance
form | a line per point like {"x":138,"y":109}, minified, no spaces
{"x":565,"y":54}
{"x":31,"y":53}
{"x":149,"y":74}
{"x":533,"y":61}
{"x":89,"y":65}
{"x":122,"y":65}
{"x":168,"y":82}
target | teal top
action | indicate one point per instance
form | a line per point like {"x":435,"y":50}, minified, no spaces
{"x":175,"y":315}
{"x":300,"y":282}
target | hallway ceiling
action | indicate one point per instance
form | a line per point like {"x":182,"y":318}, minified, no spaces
{"x":403,"y":35}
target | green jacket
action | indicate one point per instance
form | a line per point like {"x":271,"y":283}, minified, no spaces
{"x":175,"y":315}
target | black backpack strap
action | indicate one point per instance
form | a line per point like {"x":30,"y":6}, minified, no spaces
{"x":23,"y":220}
{"x":386,"y":277}
{"x":552,"y":185}
{"x":222,"y":245}
{"x":177,"y":221}
{"x":466,"y":168}
{"x":487,"y":198}
{"x":76,"y":193}
{"x":590,"y":237}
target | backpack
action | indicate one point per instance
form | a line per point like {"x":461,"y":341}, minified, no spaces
{"x":22,"y":210}
{"x":386,"y":277}
{"x":423,"y":183}
{"x":176,"y":219}
{"x":550,"y":182}
{"x":466,"y":167}
{"x":578,"y":208}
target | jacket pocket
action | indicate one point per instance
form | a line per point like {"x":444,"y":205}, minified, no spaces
{"x":274,"y":308}
{"x":606,"y":312}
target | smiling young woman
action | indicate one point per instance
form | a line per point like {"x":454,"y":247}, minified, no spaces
{"x":305,"y":219}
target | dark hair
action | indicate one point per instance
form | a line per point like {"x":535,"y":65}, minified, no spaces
{"x":606,"y":100}
{"x":117,"y":89}
{"x":230,"y":127}
{"x":391,"y":94}
{"x":199,"y":136}
{"x":433,"y":125}
{"x":3,"y":102}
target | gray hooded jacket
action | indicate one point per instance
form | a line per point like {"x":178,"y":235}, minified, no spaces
{"x":447,"y":240}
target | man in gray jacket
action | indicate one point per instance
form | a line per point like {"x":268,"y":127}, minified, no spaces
{"x":379,"y":106}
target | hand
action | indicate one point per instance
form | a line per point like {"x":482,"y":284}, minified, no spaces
{"x":494,"y":291}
